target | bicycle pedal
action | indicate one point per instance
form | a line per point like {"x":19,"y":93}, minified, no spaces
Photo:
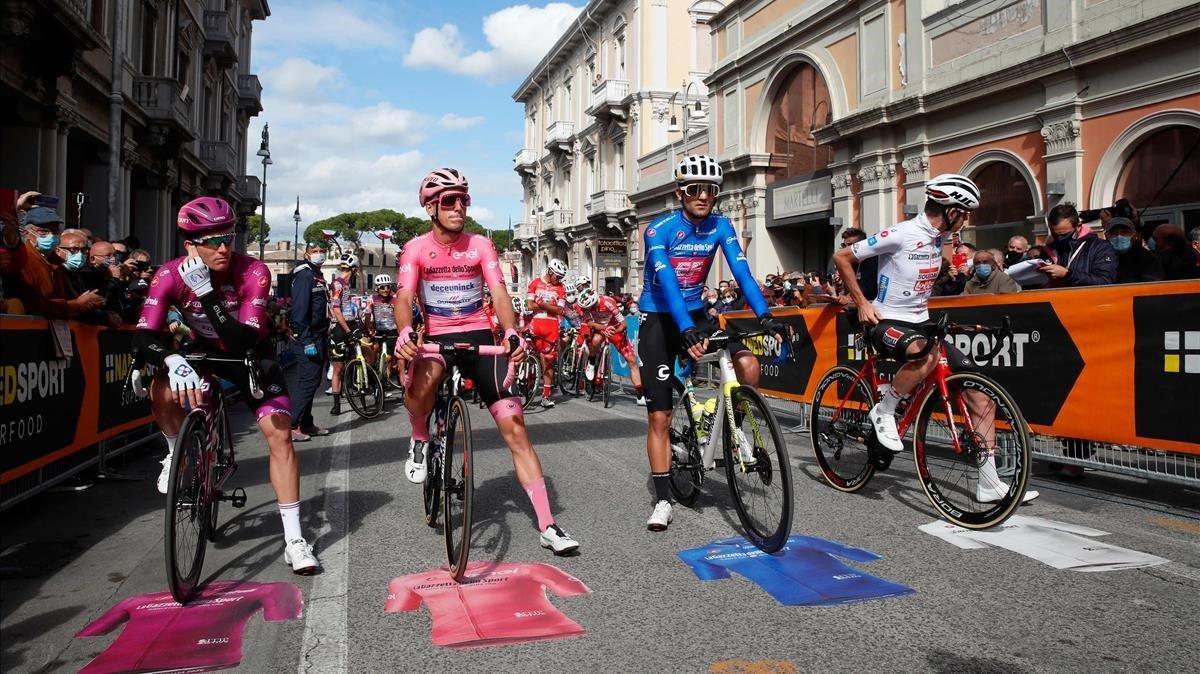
{"x":879,"y":455}
{"x":236,"y":498}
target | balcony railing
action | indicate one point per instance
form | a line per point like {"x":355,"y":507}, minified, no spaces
{"x":218,"y":38}
{"x":558,"y":218}
{"x":559,"y":135}
{"x":525,"y":231}
{"x":608,"y":97}
{"x":250,"y":94}
{"x":217,"y":155}
{"x":159,"y":98}
{"x":250,"y":187}
{"x":526,"y":160}
{"x":608,"y":202}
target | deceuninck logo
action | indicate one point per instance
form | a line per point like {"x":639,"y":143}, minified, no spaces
{"x":1181,"y":351}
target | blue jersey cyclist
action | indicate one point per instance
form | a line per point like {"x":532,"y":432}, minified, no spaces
{"x":680,"y":248}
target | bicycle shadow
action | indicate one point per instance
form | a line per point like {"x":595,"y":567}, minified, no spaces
{"x":495,"y":500}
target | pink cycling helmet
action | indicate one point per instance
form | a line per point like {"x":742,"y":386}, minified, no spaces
{"x":205,"y":214}
{"x":439,"y":181}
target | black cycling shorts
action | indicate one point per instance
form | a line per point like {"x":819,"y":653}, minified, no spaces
{"x":487,"y":372}
{"x":275,"y":398}
{"x":388,"y":338}
{"x":891,"y":339}
{"x":337,"y":343}
{"x":659,"y":343}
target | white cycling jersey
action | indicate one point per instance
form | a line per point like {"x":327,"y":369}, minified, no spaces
{"x":910,"y":257}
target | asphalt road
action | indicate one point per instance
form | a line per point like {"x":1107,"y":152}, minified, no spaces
{"x":65,"y":558}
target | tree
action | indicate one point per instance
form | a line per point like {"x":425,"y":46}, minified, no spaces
{"x":351,"y":227}
{"x":256,"y":231}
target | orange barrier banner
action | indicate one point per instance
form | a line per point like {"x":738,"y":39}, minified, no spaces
{"x":52,"y":407}
{"x":1117,"y":364}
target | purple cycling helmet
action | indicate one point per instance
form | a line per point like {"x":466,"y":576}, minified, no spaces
{"x":204,"y":215}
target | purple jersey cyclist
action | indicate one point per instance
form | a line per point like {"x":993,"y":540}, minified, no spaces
{"x":222,"y":296}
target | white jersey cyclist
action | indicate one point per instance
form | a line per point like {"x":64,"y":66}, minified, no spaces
{"x":910,"y":257}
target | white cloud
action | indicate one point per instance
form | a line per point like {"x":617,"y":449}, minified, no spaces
{"x":323,"y":24}
{"x":299,"y":77}
{"x":454,"y":122}
{"x":518,"y":37}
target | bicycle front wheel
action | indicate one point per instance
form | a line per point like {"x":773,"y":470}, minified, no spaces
{"x":840,"y":430}
{"x":432,"y":488}
{"x":222,"y":461}
{"x":760,"y":476}
{"x":458,"y":487}
{"x":529,"y":380}
{"x":566,"y":371}
{"x":363,"y":389}
{"x":687,"y":469}
{"x":187,"y":515}
{"x":972,"y":451}
{"x":606,"y":379}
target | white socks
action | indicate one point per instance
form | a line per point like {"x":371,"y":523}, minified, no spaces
{"x":290,"y":514}
{"x":889,"y":399}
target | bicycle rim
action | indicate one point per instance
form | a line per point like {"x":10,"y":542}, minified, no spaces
{"x":606,"y":380}
{"x":221,"y":463}
{"x":186,"y":517}
{"x":839,"y":429}
{"x":686,"y":472}
{"x":458,"y":487}
{"x":993,"y":463}
{"x":762,"y":488}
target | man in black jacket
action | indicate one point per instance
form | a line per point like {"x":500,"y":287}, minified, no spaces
{"x":1080,"y":257}
{"x":1135,"y":264}
{"x":310,"y":343}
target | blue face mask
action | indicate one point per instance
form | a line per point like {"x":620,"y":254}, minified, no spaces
{"x":983,"y":271}
{"x":1122,"y":243}
{"x":47,"y":242}
{"x":75,"y":261}
{"x":1151,"y":245}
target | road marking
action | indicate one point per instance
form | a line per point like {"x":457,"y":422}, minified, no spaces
{"x":1171,"y":522}
{"x":324,"y":648}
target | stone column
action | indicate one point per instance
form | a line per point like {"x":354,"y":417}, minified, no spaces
{"x":878,"y":195}
{"x":916,"y":173}
{"x":843,"y":197}
{"x":66,"y":203}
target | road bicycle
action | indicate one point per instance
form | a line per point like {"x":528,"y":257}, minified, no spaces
{"x":392,"y":378}
{"x":568,"y":357}
{"x":450,"y":476}
{"x":754,"y":454}
{"x":963,"y":455}
{"x":362,"y":386}
{"x":201,"y":461}
{"x":601,"y":382}
{"x":527,"y":382}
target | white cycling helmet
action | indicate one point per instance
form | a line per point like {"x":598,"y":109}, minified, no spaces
{"x":383,"y":280}
{"x":951,"y":189}
{"x":558,"y":268}
{"x":518,"y":305}
{"x":699,"y":168}
{"x":588,"y":299}
{"x":349,"y":261}
{"x":582,"y":282}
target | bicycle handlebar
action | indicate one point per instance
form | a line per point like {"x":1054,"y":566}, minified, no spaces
{"x":133,"y":381}
{"x":465,"y":348}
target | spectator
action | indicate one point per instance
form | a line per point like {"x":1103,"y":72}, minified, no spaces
{"x":1135,"y":264}
{"x":1178,"y":259}
{"x":1017,"y":247}
{"x":1194,"y":237}
{"x":998,"y":257}
{"x":310,"y":331}
{"x":1080,"y":257}
{"x":121,"y":250}
{"x":948,"y":282}
{"x":866,"y":271}
{"x":38,"y":266}
{"x":987,"y":278}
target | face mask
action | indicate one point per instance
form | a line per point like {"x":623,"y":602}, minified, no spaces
{"x":1122,"y":243}
{"x":1152,"y":245}
{"x":1012,"y":257}
{"x":983,"y":271}
{"x":47,"y":242}
{"x":317,"y":259}
{"x":75,"y":261}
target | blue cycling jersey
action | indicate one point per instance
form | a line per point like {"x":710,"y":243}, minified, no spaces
{"x":806,"y":571}
{"x":678,"y":257}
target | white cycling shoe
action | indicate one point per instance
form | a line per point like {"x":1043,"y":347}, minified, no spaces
{"x":415,"y":467}
{"x":164,"y":477}
{"x":885,"y":428}
{"x":558,"y":541}
{"x":300,"y":555}
{"x":661,"y":517}
{"x":590,"y":372}
{"x":991,"y":489}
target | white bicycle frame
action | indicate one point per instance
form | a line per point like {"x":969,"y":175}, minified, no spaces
{"x":724,"y":412}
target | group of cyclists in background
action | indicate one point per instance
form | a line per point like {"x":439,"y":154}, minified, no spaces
{"x":449,"y":289}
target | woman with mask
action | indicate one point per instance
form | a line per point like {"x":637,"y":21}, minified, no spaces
{"x":1135,"y":264}
{"x":987,"y":278}
{"x":38,"y":264}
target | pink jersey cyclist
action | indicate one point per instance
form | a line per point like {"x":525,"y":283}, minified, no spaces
{"x":242,"y":291}
{"x":449,"y":281}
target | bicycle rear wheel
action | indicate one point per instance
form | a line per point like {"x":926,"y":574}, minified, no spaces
{"x":458,"y":487}
{"x":566,"y":371}
{"x":606,"y":379}
{"x":362,"y":389}
{"x":760,"y":476}
{"x":529,"y":380}
{"x":840,"y":430}
{"x":981,"y":485}
{"x":187,"y":516}
{"x":687,"y":470}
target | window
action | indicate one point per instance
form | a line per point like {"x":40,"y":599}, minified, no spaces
{"x":1154,"y":160}
{"x":619,"y":179}
{"x":370,"y":259}
{"x":1006,"y":202}
{"x":801,"y":104}
{"x":147,"y":17}
{"x":97,"y":19}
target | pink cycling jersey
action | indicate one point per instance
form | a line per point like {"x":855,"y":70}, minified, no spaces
{"x":494,"y":604}
{"x":449,"y":279}
{"x":243,"y":288}
{"x":205,"y":635}
{"x":606,"y":312}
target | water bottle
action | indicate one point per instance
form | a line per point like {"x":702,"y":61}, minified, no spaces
{"x":704,"y":413}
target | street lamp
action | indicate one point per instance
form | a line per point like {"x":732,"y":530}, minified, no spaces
{"x":264,"y":151}
{"x":296,"y":240}
{"x":673,"y":127}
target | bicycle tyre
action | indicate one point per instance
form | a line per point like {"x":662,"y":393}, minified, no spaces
{"x":458,"y":481}
{"x":529,"y":380}
{"x":957,"y":511}
{"x":566,"y":371}
{"x":431,"y":490}
{"x":771,"y":469}
{"x":606,"y":379}
{"x":220,"y":458}
{"x":842,"y":471}
{"x":687,"y":475}
{"x":362,"y":389}
{"x":186,"y":517}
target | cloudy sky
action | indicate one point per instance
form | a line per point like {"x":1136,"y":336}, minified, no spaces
{"x":363,"y":97}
